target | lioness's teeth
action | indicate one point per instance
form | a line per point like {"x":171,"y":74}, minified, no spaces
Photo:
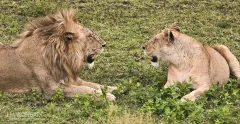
{"x":90,"y":65}
{"x":155,"y":64}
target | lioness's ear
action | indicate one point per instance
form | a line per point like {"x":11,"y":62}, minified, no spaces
{"x":68,"y":37}
{"x":170,"y":36}
{"x":174,"y":27}
{"x":178,"y":29}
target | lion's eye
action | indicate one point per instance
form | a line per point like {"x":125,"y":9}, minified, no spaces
{"x":89,"y":35}
{"x":68,"y":37}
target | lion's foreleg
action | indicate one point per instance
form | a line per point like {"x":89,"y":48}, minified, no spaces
{"x":46,"y":82}
{"x":73,"y":90}
{"x":96,"y":86}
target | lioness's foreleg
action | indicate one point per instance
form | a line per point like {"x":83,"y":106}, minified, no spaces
{"x":195,"y":94}
{"x":168,"y":84}
{"x":230,"y":58}
{"x":72,"y":90}
{"x":172,"y":77}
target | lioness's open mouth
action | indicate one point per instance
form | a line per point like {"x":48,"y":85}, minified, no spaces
{"x":155,"y":61}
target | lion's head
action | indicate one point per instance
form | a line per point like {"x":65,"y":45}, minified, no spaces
{"x":160,"y":46}
{"x":67,"y":44}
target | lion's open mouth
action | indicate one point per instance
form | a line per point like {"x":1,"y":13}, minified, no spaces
{"x":90,"y":61}
{"x":90,"y":58}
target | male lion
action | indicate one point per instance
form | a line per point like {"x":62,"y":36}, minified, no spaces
{"x":191,"y":62}
{"x":49,"y":55}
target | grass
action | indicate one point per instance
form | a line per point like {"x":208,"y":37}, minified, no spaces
{"x":126,"y":25}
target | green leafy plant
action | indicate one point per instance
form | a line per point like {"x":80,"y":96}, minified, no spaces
{"x":58,"y":95}
{"x":89,"y":107}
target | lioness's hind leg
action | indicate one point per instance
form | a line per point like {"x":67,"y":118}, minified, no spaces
{"x":230,"y":58}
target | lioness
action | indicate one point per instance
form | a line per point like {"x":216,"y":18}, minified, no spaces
{"x":191,"y":62}
{"x":49,"y":55}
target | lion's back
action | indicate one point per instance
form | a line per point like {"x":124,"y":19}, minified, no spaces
{"x":13,"y":73}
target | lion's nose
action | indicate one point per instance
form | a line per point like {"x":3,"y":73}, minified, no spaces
{"x":104,"y":45}
{"x":143,"y":47}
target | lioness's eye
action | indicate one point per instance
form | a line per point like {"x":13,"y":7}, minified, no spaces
{"x":155,"y":40}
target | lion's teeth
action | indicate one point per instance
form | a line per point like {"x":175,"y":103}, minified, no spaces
{"x":90,"y":65}
{"x":155,"y":64}
{"x":101,"y":51}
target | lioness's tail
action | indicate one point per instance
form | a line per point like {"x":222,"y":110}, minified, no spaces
{"x":230,"y":58}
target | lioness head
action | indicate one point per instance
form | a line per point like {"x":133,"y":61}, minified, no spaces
{"x":160,"y":46}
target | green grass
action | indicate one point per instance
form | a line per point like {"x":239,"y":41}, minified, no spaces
{"x":126,"y":25}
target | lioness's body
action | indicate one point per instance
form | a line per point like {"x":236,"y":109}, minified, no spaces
{"x":191,"y":62}
{"x":49,"y":55}
{"x":197,"y":63}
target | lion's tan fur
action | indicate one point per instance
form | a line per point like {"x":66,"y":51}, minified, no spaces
{"x":50,"y":53}
{"x":191,"y":62}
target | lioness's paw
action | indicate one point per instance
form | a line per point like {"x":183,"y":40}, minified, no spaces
{"x":188,"y":97}
{"x":166,"y":85}
{"x":111,"y":88}
{"x":110,"y":97}
{"x":183,"y":100}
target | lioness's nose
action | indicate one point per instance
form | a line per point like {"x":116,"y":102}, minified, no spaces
{"x":104,"y":45}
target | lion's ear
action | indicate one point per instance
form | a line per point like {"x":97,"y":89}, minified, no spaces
{"x":171,"y":37}
{"x":68,"y":37}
